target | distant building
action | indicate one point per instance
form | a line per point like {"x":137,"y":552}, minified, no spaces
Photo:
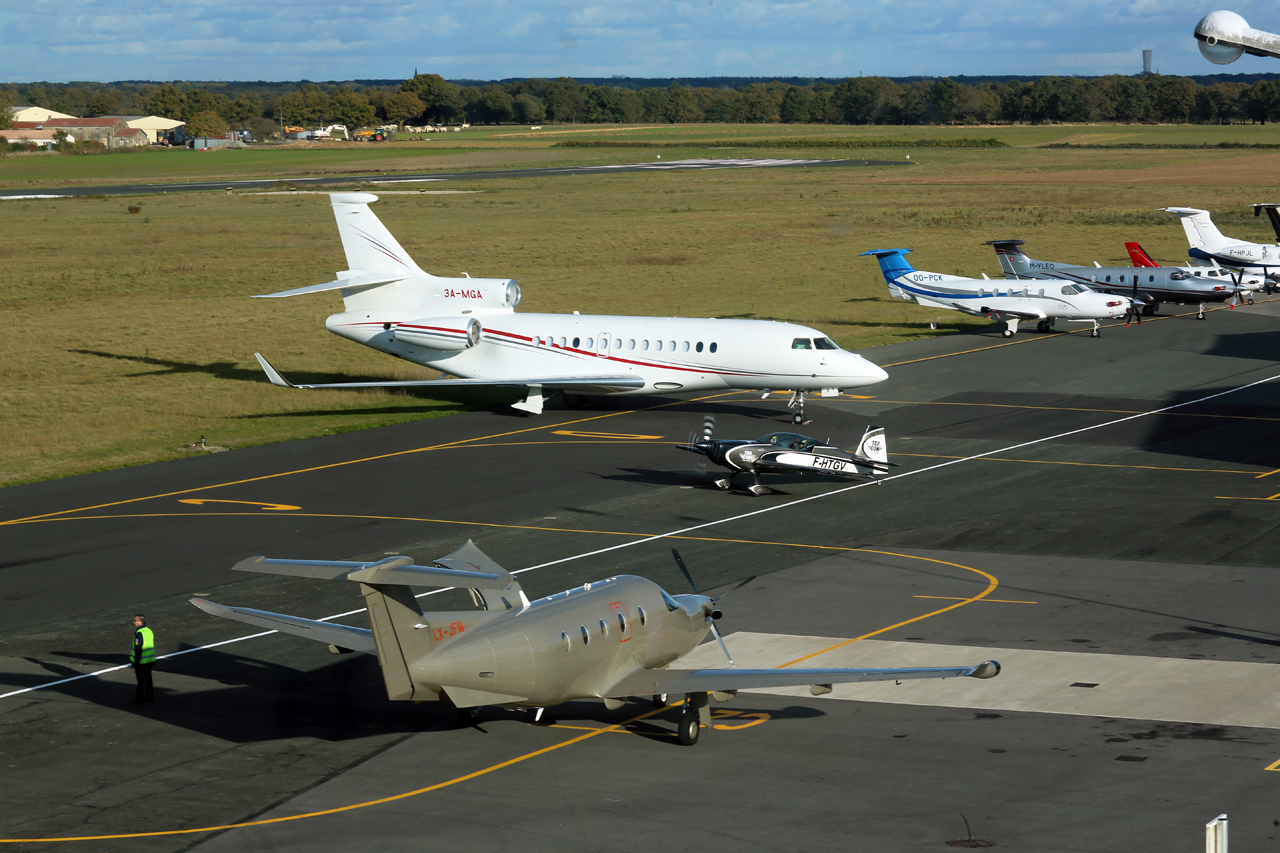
{"x":1146,"y":63}
{"x":111,"y":132}
{"x":152,"y":126}
{"x":30,"y":113}
{"x":38,"y":136}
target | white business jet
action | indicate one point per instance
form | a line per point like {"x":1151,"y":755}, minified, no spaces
{"x":1010,"y":301}
{"x":467,"y":328}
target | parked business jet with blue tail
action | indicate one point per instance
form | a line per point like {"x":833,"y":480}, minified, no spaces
{"x":467,"y":328}
{"x":1009,"y":302}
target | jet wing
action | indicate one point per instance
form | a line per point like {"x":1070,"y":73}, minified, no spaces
{"x":342,"y":636}
{"x":587,"y":383}
{"x":652,"y":682}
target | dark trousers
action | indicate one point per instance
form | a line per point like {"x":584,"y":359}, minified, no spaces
{"x":142,"y":671}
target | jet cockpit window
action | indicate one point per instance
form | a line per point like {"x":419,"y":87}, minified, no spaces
{"x":672,"y":604}
{"x":802,"y":343}
{"x":824,"y":343}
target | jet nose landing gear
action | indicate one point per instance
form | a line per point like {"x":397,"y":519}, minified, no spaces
{"x":797,"y":402}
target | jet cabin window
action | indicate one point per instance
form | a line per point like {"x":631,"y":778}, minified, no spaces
{"x":802,"y":343}
{"x":672,"y":604}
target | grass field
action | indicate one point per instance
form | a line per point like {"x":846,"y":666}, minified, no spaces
{"x":132,"y":335}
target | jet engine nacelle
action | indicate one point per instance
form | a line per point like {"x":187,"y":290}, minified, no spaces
{"x":1224,"y":37}
{"x":449,"y":334}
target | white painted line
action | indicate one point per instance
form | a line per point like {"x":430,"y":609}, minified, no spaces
{"x":705,"y":525}
{"x":16,"y":197}
{"x":1131,"y":687}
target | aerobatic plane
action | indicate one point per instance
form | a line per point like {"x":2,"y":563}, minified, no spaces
{"x":781,"y":452}
{"x":1209,"y":245}
{"x":1147,"y":288}
{"x":999,"y":300}
{"x":467,"y":328}
{"x":609,"y":640}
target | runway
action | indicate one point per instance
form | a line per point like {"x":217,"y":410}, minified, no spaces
{"x":431,"y":177}
{"x":1144,"y":531}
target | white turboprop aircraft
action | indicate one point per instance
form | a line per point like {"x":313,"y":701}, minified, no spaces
{"x":1012,"y":302}
{"x":467,"y":328}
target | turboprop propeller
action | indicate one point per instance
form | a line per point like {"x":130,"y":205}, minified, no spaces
{"x":709,"y":608}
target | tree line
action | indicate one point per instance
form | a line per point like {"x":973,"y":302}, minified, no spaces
{"x":430,"y":99}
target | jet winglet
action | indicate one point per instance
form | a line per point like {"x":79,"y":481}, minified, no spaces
{"x":272,"y":373}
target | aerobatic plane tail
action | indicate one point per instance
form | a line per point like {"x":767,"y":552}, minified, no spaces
{"x":874,"y":447}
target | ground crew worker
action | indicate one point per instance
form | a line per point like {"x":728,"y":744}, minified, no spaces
{"x":142,"y":658}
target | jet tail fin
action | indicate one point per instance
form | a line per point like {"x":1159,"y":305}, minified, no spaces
{"x":1201,"y":232}
{"x":1139,"y":256}
{"x":1012,"y":259}
{"x":1272,"y":214}
{"x":369,"y":246}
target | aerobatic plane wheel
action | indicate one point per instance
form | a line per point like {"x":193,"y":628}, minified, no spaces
{"x":659,"y":700}
{"x":689,"y":729}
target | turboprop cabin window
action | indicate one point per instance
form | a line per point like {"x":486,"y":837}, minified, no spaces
{"x":622,"y":626}
{"x":672,"y":604}
{"x":564,"y":638}
{"x":586,"y":638}
{"x":643,"y":619}
{"x":1151,"y":278}
{"x":801,"y":343}
{"x":604,"y":630}
{"x":824,"y":343}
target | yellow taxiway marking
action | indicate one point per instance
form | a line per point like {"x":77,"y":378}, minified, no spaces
{"x":1275,"y":765}
{"x":1268,"y":474}
{"x":260,"y":504}
{"x":992,"y":600}
{"x":992,"y":583}
{"x":1230,"y":498}
{"x":618,"y":435}
{"x":1081,"y":464}
{"x":459,"y":442}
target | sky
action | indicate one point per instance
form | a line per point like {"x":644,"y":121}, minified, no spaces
{"x":107,"y":40}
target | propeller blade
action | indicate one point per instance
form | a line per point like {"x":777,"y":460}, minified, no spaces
{"x":736,"y":588}
{"x":685,"y":571}
{"x":720,"y":640}
{"x":708,"y":426}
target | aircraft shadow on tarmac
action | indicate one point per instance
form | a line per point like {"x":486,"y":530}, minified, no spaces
{"x":1259,"y":345}
{"x":247,"y":700}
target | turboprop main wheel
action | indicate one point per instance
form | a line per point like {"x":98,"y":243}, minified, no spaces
{"x":1149,"y":310}
{"x":659,"y":700}
{"x":1042,"y":326}
{"x":1008,"y":333}
{"x":689,"y":728}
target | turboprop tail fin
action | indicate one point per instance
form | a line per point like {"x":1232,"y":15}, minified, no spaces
{"x":1139,"y":256}
{"x":893,"y":264}
{"x":1201,"y":232}
{"x":1012,"y":259}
